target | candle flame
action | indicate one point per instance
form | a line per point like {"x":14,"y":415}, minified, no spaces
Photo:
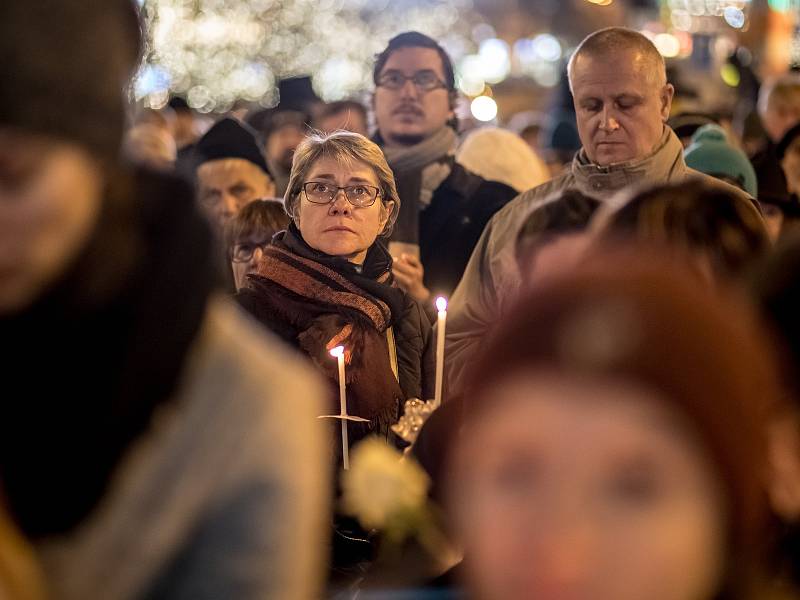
{"x":337,"y":351}
{"x":441,"y":304}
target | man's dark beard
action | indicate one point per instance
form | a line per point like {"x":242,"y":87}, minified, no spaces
{"x":407,"y":139}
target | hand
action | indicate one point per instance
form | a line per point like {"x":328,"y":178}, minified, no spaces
{"x":339,"y":340}
{"x":409,"y":272}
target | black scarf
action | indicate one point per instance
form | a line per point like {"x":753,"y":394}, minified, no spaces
{"x":95,"y":356}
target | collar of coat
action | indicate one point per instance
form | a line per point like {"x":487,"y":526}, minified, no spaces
{"x":663,"y":164}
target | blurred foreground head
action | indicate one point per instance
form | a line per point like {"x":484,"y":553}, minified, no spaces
{"x":613,"y":442}
{"x":717,"y":232}
{"x":61,"y":124}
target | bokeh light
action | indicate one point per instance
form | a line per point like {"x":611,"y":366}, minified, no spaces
{"x":730,"y":75}
{"x":667,"y":44}
{"x":484,"y":108}
{"x":495,"y":60}
{"x":214,"y":52}
{"x":734,"y":17}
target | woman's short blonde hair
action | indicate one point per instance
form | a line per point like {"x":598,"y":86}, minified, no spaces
{"x":344,"y":147}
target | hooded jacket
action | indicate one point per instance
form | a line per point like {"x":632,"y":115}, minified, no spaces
{"x":492,"y":280}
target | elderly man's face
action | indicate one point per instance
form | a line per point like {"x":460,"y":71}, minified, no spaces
{"x":620,"y":106}
{"x":227,"y":185}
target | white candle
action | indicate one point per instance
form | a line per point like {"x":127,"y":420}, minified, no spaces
{"x":338,"y":353}
{"x":441,"y":306}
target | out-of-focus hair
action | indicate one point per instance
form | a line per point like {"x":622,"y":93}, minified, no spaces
{"x":631,"y":314}
{"x":570,"y":212}
{"x":699,"y":219}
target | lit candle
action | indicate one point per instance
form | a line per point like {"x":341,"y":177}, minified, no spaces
{"x":441,"y":307}
{"x":338,"y":353}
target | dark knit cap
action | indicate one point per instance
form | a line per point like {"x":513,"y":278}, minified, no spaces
{"x":636,"y":316}
{"x":66,"y":64}
{"x":229,"y":138}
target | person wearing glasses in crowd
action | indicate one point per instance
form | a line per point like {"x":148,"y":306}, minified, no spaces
{"x":249,"y":233}
{"x":445,"y":207}
{"x":327,"y":281}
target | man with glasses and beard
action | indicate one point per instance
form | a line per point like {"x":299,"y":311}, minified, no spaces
{"x":444,"y":207}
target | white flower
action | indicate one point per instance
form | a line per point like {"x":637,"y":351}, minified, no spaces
{"x":382,"y":488}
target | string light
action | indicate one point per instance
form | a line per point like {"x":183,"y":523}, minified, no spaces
{"x":214,"y":52}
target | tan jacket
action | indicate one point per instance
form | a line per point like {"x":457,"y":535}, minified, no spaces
{"x":226,"y":494}
{"x":492,"y":280}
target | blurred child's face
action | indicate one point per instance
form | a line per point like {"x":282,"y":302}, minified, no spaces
{"x":585,"y":490}
{"x":227,"y":185}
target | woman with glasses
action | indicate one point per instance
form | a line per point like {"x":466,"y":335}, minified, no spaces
{"x":327,"y":281}
{"x":249,"y":233}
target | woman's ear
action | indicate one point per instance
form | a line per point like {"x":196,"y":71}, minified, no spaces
{"x":386,"y":213}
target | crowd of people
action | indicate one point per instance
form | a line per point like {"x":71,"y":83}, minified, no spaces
{"x":619,"y":416}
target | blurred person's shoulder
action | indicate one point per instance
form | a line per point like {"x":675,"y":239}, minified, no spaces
{"x":238,"y":442}
{"x":724,"y":187}
{"x":247,"y":365}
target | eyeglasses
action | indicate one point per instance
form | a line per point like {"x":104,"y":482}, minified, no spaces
{"x":361,"y":196}
{"x":425,"y":81}
{"x":244,"y":252}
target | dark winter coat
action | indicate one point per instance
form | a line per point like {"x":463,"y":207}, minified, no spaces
{"x":450,"y":227}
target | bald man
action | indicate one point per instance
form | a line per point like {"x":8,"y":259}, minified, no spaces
{"x":622,"y":101}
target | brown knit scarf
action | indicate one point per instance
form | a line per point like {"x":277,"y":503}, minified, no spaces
{"x":319,"y":297}
{"x":315,"y":281}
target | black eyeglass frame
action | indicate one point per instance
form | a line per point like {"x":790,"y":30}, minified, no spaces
{"x":238,"y":259}
{"x":437,"y":83}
